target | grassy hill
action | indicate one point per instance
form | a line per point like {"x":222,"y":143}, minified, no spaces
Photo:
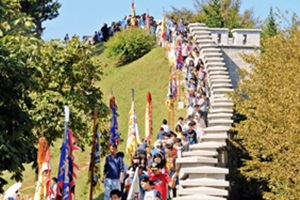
{"x":149,"y":72}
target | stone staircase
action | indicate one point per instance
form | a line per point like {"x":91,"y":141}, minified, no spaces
{"x":202,"y":173}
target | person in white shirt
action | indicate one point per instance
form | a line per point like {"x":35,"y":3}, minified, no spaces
{"x":165,"y":126}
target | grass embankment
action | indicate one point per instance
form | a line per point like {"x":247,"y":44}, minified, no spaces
{"x":151,"y":71}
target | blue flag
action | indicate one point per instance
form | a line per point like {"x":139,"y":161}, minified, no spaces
{"x":66,"y":175}
{"x":114,"y":128}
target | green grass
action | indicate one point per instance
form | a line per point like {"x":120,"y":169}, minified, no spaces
{"x":150,"y":71}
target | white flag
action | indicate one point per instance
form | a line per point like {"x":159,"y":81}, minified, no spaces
{"x":134,"y":192}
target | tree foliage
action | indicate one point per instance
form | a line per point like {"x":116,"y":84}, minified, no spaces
{"x":271,"y":133}
{"x":224,"y":13}
{"x":186,"y":14}
{"x":270,"y":27}
{"x":37,"y":79}
{"x":16,"y":139}
{"x":66,"y":76}
{"x":40,"y":11}
{"x":129,"y":45}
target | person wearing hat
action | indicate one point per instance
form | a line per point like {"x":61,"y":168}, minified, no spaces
{"x":160,"y":180}
{"x":157,"y":147}
{"x":150,"y":193}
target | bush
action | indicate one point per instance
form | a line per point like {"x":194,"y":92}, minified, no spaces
{"x":129,"y":45}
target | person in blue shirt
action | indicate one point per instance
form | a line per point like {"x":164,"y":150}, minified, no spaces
{"x":113,"y":171}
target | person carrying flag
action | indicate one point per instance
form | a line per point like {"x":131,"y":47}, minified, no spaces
{"x":113,"y":171}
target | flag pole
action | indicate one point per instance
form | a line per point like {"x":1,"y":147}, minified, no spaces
{"x":132,"y":100}
{"x":93,"y":155}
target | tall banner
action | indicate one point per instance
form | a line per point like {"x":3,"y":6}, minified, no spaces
{"x":114,"y":127}
{"x":148,"y":121}
{"x":66,"y":174}
{"x":133,"y":138}
{"x":134,"y":192}
{"x":95,"y":161}
{"x":163,"y":27}
{"x":43,"y":189}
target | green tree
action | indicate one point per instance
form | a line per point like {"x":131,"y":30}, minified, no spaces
{"x":271,"y":132}
{"x":40,"y":11}
{"x":270,"y":27}
{"x":16,"y":45}
{"x":186,"y":14}
{"x":129,"y":45}
{"x":67,"y":76}
{"x":223,"y":13}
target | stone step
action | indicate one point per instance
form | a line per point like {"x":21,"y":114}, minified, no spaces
{"x":219,"y":115}
{"x":209,"y":50}
{"x":203,"y":37}
{"x":221,"y":110}
{"x":204,"y":46}
{"x":209,"y":55}
{"x":200,"y":153}
{"x":196,"y":159}
{"x":214,"y":137}
{"x":212,"y":73}
{"x":203,"y":172}
{"x":215,"y":64}
{"x":205,"y":41}
{"x":216,"y":129}
{"x":222,"y":122}
{"x":207,"y":146}
{"x":220,"y":99}
{"x":215,"y":76}
{"x":197,"y":24}
{"x":208,"y":182}
{"x":202,"y":190}
{"x":222,"y":85}
{"x":221,"y":104}
{"x":220,"y":81}
{"x":217,"y":70}
{"x":222,"y":90}
{"x":218,"y":85}
{"x":214,"y":59}
{"x":196,"y":29}
{"x":198,"y":197}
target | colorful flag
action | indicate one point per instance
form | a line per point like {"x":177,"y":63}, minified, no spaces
{"x":134,"y":192}
{"x":66,"y":174}
{"x":43,"y":189}
{"x":133,"y":138}
{"x":163,"y":27}
{"x":148,"y":23}
{"x":148,"y":122}
{"x":114,"y":130}
{"x":179,"y":59}
{"x":132,"y":9}
{"x":96,"y":161}
{"x":174,"y":86}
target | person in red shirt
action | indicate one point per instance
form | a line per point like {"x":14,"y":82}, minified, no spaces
{"x":161,"y":180}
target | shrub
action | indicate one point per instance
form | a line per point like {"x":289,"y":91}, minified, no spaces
{"x":129,"y":45}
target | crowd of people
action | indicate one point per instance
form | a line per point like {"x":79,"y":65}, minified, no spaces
{"x":157,"y":169}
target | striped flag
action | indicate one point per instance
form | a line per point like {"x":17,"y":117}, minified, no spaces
{"x":134,"y":192}
{"x":66,"y":174}
{"x":148,"y":121}
{"x":133,"y":138}
{"x":43,"y":189}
